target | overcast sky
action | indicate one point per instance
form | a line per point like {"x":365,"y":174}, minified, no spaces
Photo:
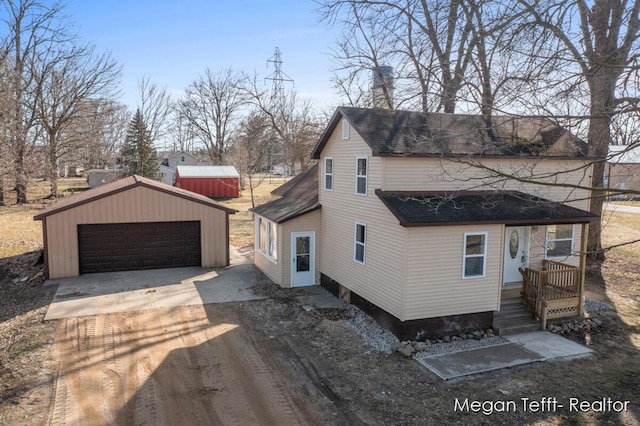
{"x":174,"y":41}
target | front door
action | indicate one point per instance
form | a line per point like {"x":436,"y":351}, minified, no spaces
{"x":303,"y":269}
{"x":515,"y":253}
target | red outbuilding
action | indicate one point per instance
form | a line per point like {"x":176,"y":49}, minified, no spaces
{"x":210,"y":181}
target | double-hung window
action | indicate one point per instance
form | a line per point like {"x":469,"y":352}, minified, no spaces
{"x":475,"y":255}
{"x":267,"y":238}
{"x":361,"y":175}
{"x":559,"y":241}
{"x":328,"y":173}
{"x":360,"y":242}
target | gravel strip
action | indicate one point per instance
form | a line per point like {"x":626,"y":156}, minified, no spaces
{"x":593,"y":306}
{"x":376,"y":337}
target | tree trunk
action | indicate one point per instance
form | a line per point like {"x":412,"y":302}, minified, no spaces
{"x":52,"y":174}
{"x":1,"y":190}
{"x":599,"y":137}
{"x":21,"y":178}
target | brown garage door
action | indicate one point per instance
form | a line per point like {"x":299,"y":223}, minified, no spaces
{"x":130,"y":246}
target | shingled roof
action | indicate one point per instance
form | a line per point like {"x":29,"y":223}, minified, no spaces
{"x":415,"y":134}
{"x":298,"y":196}
{"x":414,"y":208}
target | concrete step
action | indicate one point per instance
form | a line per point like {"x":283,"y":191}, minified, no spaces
{"x":505,"y":328}
{"x":513,"y":318}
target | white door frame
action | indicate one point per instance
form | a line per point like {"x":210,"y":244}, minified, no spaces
{"x":522,"y":256}
{"x":306,"y":278}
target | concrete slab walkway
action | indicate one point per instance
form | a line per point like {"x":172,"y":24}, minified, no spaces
{"x":94,"y":294}
{"x":520,"y":349}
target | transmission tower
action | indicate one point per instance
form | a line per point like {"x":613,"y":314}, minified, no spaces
{"x":278,"y":78}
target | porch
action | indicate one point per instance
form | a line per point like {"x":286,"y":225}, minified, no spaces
{"x":556,"y":291}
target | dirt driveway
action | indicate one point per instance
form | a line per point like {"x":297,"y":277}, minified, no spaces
{"x":183,"y":365}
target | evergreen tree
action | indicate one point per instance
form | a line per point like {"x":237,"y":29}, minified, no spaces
{"x":137,"y":155}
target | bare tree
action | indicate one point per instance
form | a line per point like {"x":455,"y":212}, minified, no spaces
{"x":154,"y":104}
{"x":212,"y":106}
{"x":249,"y":151}
{"x":293,"y":121}
{"x":6,"y":159}
{"x":33,"y":29}
{"x":101,"y":131}
{"x":67,"y":83}
{"x":432,"y":41}
{"x":600,"y":50}
{"x":181,"y":133}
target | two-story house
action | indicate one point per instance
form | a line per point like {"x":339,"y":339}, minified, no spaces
{"x":428,"y":221}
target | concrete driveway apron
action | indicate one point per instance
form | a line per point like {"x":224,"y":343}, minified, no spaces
{"x":94,"y":294}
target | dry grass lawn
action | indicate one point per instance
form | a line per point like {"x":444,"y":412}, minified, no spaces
{"x":241,"y":223}
{"x":19,"y":232}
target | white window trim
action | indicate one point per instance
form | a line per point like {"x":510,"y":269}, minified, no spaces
{"x":363,"y":244}
{"x":365,"y":176}
{"x":328,"y":174}
{"x":345,"y":129}
{"x":546,"y":242}
{"x":268,"y":240}
{"x":465,"y":256}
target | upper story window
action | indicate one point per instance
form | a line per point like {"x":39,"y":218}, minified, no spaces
{"x":559,"y":241}
{"x":328,"y":173}
{"x":182,"y":158}
{"x":345,"y":129}
{"x":361,"y":175}
{"x":360,"y":242}
{"x":475,"y":255}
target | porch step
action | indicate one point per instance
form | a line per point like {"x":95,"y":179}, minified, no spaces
{"x":513,"y":318}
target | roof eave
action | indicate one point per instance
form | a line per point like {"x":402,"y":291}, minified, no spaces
{"x":508,"y":222}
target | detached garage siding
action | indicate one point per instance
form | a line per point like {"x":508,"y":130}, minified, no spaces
{"x":136,"y":205}
{"x":210,"y":187}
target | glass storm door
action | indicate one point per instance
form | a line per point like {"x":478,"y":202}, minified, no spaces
{"x":302,"y":259}
{"x":515,"y":253}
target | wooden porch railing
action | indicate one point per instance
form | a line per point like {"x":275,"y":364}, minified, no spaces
{"x":553,"y":292}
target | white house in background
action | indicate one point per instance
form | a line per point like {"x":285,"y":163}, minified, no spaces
{"x":429,"y":221}
{"x":167,"y":175}
{"x":623,"y":170}
{"x":169,"y":165}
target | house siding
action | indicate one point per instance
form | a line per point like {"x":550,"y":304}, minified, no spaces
{"x":623,"y":177}
{"x":381,"y":279}
{"x":138,"y":204}
{"x":427,"y":174}
{"x":435,"y":286}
